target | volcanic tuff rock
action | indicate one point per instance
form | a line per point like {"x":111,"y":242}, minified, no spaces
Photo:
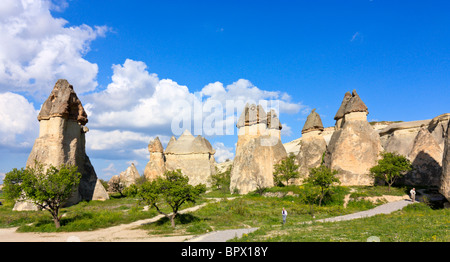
{"x":100,"y":192}
{"x":193,"y":155}
{"x":62,"y":138}
{"x":426,"y":159}
{"x":313,"y":122}
{"x":129,"y":176}
{"x":445,"y":178}
{"x":354,"y":148}
{"x":156,"y":165}
{"x":258,"y":148}
{"x":313,"y":145}
{"x":399,"y":137}
{"x":339,"y":117}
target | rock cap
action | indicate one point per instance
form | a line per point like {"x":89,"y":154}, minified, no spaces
{"x":313,"y":122}
{"x":341,"y":110}
{"x":63,"y":102}
{"x":355,"y":104}
{"x":155,"y":146}
{"x":251,"y":115}
{"x":273,"y":122}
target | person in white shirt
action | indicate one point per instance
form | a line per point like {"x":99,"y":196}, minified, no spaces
{"x":284,"y":214}
{"x":413,"y":195}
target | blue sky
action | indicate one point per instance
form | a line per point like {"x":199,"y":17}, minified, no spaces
{"x":129,"y":61}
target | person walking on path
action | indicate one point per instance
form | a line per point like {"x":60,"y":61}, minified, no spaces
{"x":413,"y":195}
{"x":284,"y":214}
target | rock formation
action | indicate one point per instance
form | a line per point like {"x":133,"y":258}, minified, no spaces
{"x":354,"y":148}
{"x":156,"y":166}
{"x":193,"y":155}
{"x":114,"y":180}
{"x":339,"y":117}
{"x":426,"y":159}
{"x":422,"y":142}
{"x":100,"y":192}
{"x":399,"y":137}
{"x":129,"y":176}
{"x":445,"y":178}
{"x":61,"y":140}
{"x":257,"y":150}
{"x":313,"y":145}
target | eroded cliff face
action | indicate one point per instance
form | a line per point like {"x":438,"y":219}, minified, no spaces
{"x":422,"y":142}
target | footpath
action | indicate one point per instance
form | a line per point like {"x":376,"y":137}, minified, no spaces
{"x":128,"y":233}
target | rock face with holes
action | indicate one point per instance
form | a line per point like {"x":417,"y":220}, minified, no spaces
{"x":355,"y":146}
{"x":313,"y":145}
{"x":61,"y":140}
{"x":258,"y":148}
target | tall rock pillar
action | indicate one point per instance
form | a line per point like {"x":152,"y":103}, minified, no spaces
{"x":61,"y":140}
{"x":354,"y":148}
{"x":156,"y":166}
{"x":313,"y":145}
{"x":445,"y":178}
{"x":258,"y":148}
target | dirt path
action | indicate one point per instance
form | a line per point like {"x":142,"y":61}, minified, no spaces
{"x":127,"y":233}
{"x":120,"y":233}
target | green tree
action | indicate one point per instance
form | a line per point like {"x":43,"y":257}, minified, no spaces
{"x":323,"y":177}
{"x":48,"y":188}
{"x":172,"y":189}
{"x":390,"y":167}
{"x":221,"y":180}
{"x":285,"y":170}
{"x":309,"y":195}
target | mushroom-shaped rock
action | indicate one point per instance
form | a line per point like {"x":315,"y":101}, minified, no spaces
{"x":63,"y":102}
{"x":355,"y":104}
{"x":313,"y":122}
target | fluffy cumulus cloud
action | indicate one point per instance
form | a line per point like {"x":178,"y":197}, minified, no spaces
{"x":139,"y":100}
{"x":19,"y":125}
{"x":222,"y":152}
{"x":36,"y":49}
{"x":137,"y":106}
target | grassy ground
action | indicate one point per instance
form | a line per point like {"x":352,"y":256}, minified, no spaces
{"x":85,"y":216}
{"x":415,"y":223}
{"x":260,"y":211}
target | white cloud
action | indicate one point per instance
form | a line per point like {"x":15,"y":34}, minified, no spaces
{"x":19,"y":126}
{"x":36,"y":49}
{"x":287,"y":130}
{"x":114,"y":140}
{"x":137,"y":105}
{"x":110,"y":170}
{"x":222,"y":152}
